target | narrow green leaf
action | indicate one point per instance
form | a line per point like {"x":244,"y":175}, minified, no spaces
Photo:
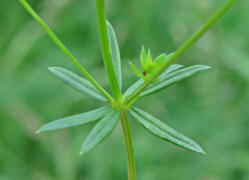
{"x":75,"y":120}
{"x":168,"y":79}
{"x":136,"y":70}
{"x":116,"y":60}
{"x":76,"y":82}
{"x":148,"y":60}
{"x":138,"y":83}
{"x":163,"y":131}
{"x":101,"y":130}
{"x":143,"y":57}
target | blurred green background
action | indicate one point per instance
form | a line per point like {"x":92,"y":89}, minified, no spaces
{"x":212,"y":107}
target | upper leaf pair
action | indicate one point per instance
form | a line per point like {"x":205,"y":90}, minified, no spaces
{"x":173,"y":74}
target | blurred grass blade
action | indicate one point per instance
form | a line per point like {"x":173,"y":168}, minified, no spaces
{"x":75,"y":120}
{"x":138,"y":83}
{"x":101,"y":130}
{"x":115,"y":53}
{"x":168,"y":79}
{"x":161,"y":130}
{"x":76,"y":82}
{"x":236,"y":60}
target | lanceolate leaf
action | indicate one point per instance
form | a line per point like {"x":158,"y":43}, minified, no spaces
{"x":101,"y":130}
{"x":115,"y":53}
{"x":138,"y":83}
{"x":161,"y":130}
{"x":75,"y":120}
{"x":136,"y":70}
{"x":76,"y":82}
{"x":167,"y":79}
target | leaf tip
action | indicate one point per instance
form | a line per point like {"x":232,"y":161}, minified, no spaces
{"x":108,"y":23}
{"x":39,"y":131}
{"x":203,"y":152}
{"x":51,"y":69}
{"x":206,"y":67}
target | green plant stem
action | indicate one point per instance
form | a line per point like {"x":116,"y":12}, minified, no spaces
{"x":65,"y":50}
{"x":105,"y":48}
{"x":210,"y":22}
{"x":129,"y":147}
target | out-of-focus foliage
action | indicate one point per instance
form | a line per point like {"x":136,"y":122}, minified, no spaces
{"x":211,"y":107}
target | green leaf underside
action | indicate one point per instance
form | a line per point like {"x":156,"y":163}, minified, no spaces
{"x":163,"y":131}
{"x":115,"y":53}
{"x":75,"y":120}
{"x":168,"y":79}
{"x":101,"y":130}
{"x":76,"y":82}
{"x":138,"y":83}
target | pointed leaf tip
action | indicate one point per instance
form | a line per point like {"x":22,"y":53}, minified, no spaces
{"x":136,"y":70}
{"x":50,"y":68}
{"x":76,"y":82}
{"x":203,"y":152}
{"x":75,"y":120}
{"x":163,"y":131}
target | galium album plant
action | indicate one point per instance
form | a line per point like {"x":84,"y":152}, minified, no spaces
{"x":155,"y":74}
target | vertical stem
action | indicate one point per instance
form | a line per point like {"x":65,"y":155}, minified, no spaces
{"x":105,"y":48}
{"x":129,"y":147}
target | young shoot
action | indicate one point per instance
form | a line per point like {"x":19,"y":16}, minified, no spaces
{"x":156,"y":75}
{"x":148,"y":65}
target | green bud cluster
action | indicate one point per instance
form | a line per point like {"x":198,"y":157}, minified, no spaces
{"x":149,"y":66}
